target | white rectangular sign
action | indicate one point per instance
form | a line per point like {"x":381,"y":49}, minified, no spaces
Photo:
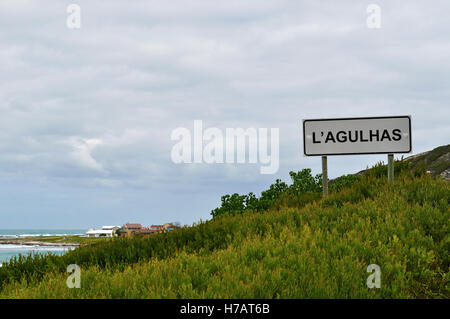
{"x":362,"y":135}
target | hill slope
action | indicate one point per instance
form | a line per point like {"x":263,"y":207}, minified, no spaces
{"x":436,"y":161}
{"x":303,"y":246}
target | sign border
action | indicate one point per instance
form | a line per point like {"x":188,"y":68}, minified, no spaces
{"x":358,"y":118}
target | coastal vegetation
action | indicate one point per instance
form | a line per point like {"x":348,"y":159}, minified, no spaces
{"x":289,"y":242}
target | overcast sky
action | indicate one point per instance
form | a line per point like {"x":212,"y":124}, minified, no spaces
{"x":87,"y":114}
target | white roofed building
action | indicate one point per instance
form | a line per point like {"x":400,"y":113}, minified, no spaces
{"x":106,"y":231}
{"x":111,"y":227}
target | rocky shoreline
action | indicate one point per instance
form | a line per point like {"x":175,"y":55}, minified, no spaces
{"x":36,"y":243}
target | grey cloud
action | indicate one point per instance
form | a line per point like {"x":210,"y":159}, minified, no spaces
{"x":87,"y":114}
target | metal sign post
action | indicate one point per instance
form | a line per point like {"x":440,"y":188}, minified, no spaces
{"x":390,"y":168}
{"x":324,"y":176}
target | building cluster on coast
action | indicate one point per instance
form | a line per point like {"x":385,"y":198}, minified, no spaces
{"x":129,"y":230}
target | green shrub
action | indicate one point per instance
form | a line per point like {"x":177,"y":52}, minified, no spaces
{"x":302,"y":246}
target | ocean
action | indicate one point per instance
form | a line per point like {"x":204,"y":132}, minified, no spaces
{"x":7,"y":250}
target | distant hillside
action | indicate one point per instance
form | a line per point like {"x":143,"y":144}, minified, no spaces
{"x":436,"y":162}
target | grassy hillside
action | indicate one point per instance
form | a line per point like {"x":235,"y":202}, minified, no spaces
{"x":435,"y":162}
{"x":287,"y":243}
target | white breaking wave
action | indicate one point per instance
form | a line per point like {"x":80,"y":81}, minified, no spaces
{"x":35,"y":235}
{"x":34,"y":247}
